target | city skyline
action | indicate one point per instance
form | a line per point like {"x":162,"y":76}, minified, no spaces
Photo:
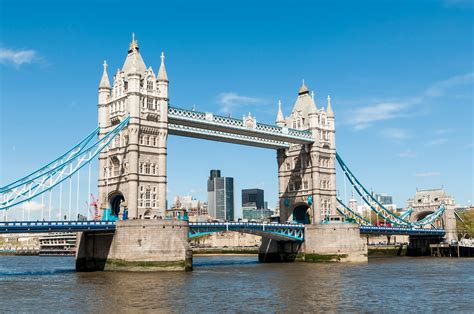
{"x":397,"y":119}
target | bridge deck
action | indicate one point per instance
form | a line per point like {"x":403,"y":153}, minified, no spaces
{"x":286,"y":232}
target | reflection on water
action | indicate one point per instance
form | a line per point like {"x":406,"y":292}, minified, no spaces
{"x":232,"y":283}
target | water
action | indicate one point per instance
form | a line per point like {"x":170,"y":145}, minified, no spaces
{"x":241,"y":284}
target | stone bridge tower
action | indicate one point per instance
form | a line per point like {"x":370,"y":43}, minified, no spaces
{"x":307,"y":173}
{"x":132,"y":170}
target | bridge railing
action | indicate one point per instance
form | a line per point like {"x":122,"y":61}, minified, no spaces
{"x":175,"y":112}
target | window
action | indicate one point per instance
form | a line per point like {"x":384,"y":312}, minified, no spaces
{"x":141,"y":189}
{"x":147,"y":168}
{"x":149,"y":85}
{"x":149,"y":103}
{"x":147,"y":195}
{"x":305,"y":185}
{"x":141,"y":171}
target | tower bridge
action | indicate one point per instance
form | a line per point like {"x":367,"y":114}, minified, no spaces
{"x":135,"y":120}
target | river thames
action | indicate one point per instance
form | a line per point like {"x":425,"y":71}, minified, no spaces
{"x":241,"y":284}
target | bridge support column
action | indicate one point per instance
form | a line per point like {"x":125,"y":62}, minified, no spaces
{"x":136,"y":245}
{"x":323,"y":243}
{"x":420,"y":245}
{"x":338,"y":242}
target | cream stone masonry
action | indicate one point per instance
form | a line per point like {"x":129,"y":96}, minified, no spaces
{"x":307,"y":173}
{"x":132,"y":170}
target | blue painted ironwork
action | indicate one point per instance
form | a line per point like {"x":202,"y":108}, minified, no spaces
{"x":349,"y":213}
{"x":401,"y":231}
{"x":385,"y":214}
{"x":64,"y":158}
{"x":38,"y":185}
{"x":284,"y":232}
{"x":55,"y":226}
{"x":201,"y":124}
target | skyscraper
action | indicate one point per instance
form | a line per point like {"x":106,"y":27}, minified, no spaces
{"x":253,"y":197}
{"x":220,"y":192}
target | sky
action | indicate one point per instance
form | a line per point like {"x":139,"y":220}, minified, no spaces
{"x":400,"y":75}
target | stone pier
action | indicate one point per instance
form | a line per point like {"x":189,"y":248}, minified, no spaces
{"x":339,"y":242}
{"x":136,"y":245}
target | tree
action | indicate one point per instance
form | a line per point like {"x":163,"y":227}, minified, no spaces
{"x":466,"y":226}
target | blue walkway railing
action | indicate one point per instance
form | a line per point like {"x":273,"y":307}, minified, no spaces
{"x":283,"y":232}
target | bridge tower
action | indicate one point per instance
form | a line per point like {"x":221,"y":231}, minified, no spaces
{"x":132,"y":170}
{"x":307,"y":173}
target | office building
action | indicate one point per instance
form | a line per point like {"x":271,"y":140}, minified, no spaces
{"x":253,"y":197}
{"x":220,"y":193}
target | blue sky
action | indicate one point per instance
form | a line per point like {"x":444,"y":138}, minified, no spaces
{"x":400,"y":75}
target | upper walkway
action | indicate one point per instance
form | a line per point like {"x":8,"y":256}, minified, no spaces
{"x":246,"y":131}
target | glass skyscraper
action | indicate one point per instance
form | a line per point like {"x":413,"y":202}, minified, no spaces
{"x":220,"y":193}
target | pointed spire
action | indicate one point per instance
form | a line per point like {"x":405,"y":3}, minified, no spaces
{"x":104,"y":82}
{"x":280,"y":119}
{"x":162,"y":76}
{"x":303,"y":89}
{"x":329,"y":111}
{"x":133,"y":44}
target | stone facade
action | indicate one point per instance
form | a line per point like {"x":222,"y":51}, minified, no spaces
{"x":307,"y":173}
{"x":426,"y":202}
{"x":132,"y":170}
{"x":136,"y":245}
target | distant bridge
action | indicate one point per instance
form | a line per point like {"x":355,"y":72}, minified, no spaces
{"x":276,"y":231}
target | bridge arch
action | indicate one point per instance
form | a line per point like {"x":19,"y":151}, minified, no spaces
{"x":116,"y":202}
{"x":301,"y":213}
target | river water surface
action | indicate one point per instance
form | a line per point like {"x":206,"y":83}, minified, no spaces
{"x":241,"y":284}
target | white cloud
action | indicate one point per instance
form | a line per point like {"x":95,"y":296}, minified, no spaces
{"x":395,"y":134}
{"x":439,"y":89}
{"x":32,"y":206}
{"x":407,"y":154}
{"x":364,"y":117}
{"x":229,"y":101}
{"x":17,"y":57}
{"x":438,"y":141}
{"x":427,"y":174}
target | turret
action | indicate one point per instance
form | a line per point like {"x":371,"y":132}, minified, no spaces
{"x":329,"y":111}
{"x":104,"y":93}
{"x":280,"y":120}
{"x":162,"y":78}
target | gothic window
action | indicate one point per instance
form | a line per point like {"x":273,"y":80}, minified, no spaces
{"x":149,"y":84}
{"x":147,"y":168}
{"x":141,"y":139}
{"x":153,"y":204}
{"x":156,"y":142}
{"x":154,"y":189}
{"x":149,"y":103}
{"x":115,"y":166}
{"x":147,"y":195}
{"x":152,"y":169}
{"x":141,"y":170}
{"x":305,"y":185}
{"x":154,"y":196}
{"x":141,"y":196}
{"x":141,"y":204}
{"x":141,"y":189}
{"x":152,"y":141}
{"x":145,"y":140}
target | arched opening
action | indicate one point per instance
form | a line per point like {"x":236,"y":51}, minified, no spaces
{"x":301,"y":214}
{"x":116,"y":200}
{"x":423,"y":214}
